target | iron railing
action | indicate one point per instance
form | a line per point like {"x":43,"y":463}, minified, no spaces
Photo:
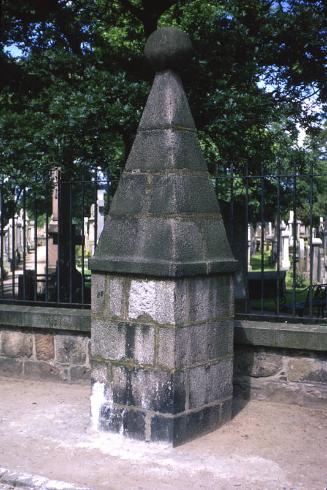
{"x":48,"y":231}
{"x":275,"y":221}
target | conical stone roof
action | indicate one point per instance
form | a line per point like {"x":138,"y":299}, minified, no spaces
{"x":164,"y":219}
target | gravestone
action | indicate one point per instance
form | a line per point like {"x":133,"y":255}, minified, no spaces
{"x":162,"y":277}
{"x":285,"y":234}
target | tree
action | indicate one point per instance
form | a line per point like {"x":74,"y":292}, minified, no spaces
{"x":76,"y":95}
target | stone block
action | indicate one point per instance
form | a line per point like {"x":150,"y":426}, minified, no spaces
{"x":160,"y":391}
{"x":126,"y":421}
{"x":210,"y":383}
{"x":98,"y":292}
{"x":197,"y":423}
{"x":220,"y":381}
{"x":203,"y":299}
{"x":44,"y":346}
{"x":226,"y":409}
{"x":152,"y":300}
{"x":175,"y":113}
{"x":108,"y":340}
{"x":140,"y":342}
{"x":185,"y":346}
{"x":71,"y":349}
{"x":123,"y":341}
{"x":166,"y":149}
{"x":166,"y":347}
{"x":44,"y":370}
{"x":17,"y":344}
{"x":10,"y":367}
{"x":116,"y":286}
{"x":80,"y":373}
{"x":257,"y":364}
{"x":307,"y":370}
{"x":99,"y":373}
{"x":187,"y":426}
{"x":179,"y":194}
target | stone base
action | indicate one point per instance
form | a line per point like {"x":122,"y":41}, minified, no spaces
{"x":174,"y":430}
{"x":162,"y":355}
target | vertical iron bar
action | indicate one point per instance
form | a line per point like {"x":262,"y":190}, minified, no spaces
{"x":294,"y":241}
{"x":1,"y":238}
{"x":58,"y":278}
{"x":310,"y":238}
{"x":24,"y":244}
{"x":13,"y":257}
{"x":262,"y":203}
{"x":232,"y":204}
{"x":47,"y":245}
{"x":96,"y":211}
{"x":83,"y":238}
{"x":35,"y":246}
{"x":246,"y":217}
{"x":71,"y":244}
{"x":278,"y":239}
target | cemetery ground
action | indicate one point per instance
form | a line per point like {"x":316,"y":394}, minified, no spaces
{"x":44,"y":430}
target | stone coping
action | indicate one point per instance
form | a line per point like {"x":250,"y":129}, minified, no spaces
{"x":281,"y":335}
{"x":247,"y":332}
{"x":45,"y":318}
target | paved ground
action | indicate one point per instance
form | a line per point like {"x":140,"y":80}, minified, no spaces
{"x":44,"y":430}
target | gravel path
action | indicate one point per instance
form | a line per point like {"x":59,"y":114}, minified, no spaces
{"x":44,"y":430}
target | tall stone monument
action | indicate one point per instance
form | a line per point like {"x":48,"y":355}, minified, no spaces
{"x":162,"y":277}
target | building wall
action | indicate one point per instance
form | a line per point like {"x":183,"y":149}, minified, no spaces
{"x":45,"y":343}
{"x":273,"y":361}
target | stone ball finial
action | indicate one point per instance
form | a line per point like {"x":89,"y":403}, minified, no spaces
{"x":168,"y":48}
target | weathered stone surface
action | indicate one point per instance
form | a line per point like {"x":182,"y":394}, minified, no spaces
{"x":128,"y":422}
{"x":204,"y":299}
{"x":210,"y":383}
{"x":167,"y":351}
{"x":71,"y":349}
{"x":43,"y":370}
{"x":257,"y":364}
{"x":16,"y":344}
{"x":307,"y":370}
{"x":98,"y":292}
{"x":152,"y":300}
{"x":44,"y":346}
{"x":168,"y":47}
{"x":149,"y":390}
{"x":184,"y":346}
{"x":122,"y":341}
{"x":178,"y":211}
{"x":80,"y":373}
{"x":116,"y":296}
{"x":40,"y":317}
{"x":186,"y":426}
{"x":167,"y":149}
{"x":10,"y":367}
{"x":167,"y":105}
{"x":167,"y":195}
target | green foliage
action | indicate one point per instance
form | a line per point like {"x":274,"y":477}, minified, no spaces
{"x":74,"y":99}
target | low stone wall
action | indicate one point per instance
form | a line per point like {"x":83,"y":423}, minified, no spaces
{"x":45,"y":343}
{"x":273,"y":361}
{"x":281,"y":362}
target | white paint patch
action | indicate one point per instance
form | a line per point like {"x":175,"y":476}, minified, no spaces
{"x":97,"y":400}
{"x":162,"y":459}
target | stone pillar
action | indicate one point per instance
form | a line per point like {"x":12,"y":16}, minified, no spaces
{"x":100,"y":212}
{"x":317,"y":266}
{"x":162,"y":278}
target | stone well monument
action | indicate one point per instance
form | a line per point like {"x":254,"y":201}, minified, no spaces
{"x":162,"y":277}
